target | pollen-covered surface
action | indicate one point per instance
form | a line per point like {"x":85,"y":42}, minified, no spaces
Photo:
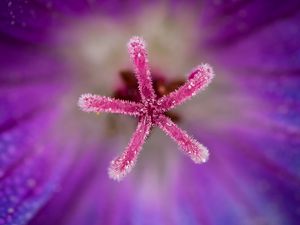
{"x":196,"y":151}
{"x":139,"y":56}
{"x":198,"y":79}
{"x":150,"y":110}
{"x":123,"y":164}
{"x":96,"y":103}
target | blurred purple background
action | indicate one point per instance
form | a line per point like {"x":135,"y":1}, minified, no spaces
{"x":54,"y":158}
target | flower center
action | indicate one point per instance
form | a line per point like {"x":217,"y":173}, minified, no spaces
{"x":151,"y":109}
{"x":128,"y":90}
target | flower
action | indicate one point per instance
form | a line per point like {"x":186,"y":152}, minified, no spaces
{"x":53,"y":158}
{"x":150,"y":110}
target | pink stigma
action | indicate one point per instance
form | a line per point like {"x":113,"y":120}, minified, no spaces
{"x":151,"y":110}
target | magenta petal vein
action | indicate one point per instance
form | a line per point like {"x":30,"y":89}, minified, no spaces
{"x":150,"y":111}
